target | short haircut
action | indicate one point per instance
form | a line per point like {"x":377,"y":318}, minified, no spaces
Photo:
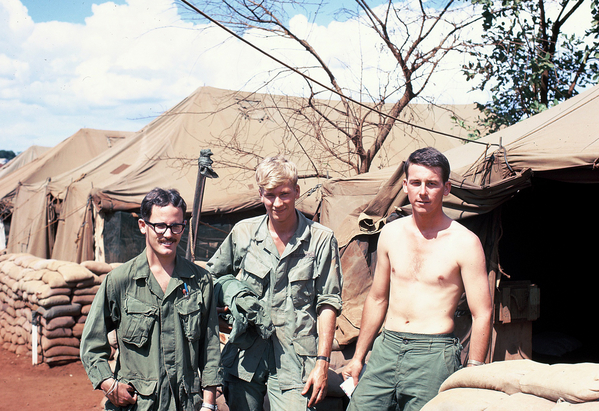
{"x":275,"y":171}
{"x":161,"y":198}
{"x":429,"y":157}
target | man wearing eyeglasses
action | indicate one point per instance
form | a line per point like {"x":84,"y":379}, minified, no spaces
{"x":163,"y":309}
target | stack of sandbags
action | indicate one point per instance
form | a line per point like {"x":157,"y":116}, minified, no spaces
{"x":58,"y":291}
{"x":16,"y":314}
{"x":84,"y":294}
{"x":520,"y":385}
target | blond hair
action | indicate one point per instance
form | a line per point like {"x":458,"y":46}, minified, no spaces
{"x":275,"y":171}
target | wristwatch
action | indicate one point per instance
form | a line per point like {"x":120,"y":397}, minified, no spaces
{"x":212,"y":407}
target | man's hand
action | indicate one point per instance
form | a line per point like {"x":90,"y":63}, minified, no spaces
{"x":318,"y":381}
{"x":353,"y":369}
{"x":122,"y":395}
{"x":223,"y":326}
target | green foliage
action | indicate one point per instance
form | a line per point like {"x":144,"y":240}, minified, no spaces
{"x":526,"y":62}
{"x":8,"y":154}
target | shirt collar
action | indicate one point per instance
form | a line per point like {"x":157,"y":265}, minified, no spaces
{"x":142,"y":268}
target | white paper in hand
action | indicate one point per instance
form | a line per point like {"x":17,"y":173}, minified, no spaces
{"x":348,"y":386}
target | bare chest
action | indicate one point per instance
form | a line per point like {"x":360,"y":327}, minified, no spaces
{"x":425,"y":261}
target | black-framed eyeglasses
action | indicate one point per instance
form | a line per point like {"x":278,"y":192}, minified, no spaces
{"x":160,"y":228}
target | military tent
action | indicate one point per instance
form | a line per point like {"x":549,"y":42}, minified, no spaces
{"x":23,"y":158}
{"x":30,"y":230}
{"x":75,"y":150}
{"x":240,"y":129}
{"x":530,"y":192}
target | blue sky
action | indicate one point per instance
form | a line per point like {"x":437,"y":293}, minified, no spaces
{"x":70,"y":11}
{"x":66,"y":65}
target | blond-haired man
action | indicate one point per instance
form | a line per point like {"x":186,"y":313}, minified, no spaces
{"x":290,"y":266}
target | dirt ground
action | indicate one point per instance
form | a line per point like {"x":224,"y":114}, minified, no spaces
{"x":25,"y":387}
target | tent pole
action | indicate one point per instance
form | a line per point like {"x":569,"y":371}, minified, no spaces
{"x":204,"y":170}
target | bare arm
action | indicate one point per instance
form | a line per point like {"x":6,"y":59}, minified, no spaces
{"x":209,"y":396}
{"x":118,"y":394}
{"x":318,"y":378}
{"x":476,"y":285}
{"x":375,"y":310}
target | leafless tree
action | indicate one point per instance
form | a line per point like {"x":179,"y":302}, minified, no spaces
{"x":346,"y":123}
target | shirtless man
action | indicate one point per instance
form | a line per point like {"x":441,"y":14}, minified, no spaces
{"x":425,"y":262}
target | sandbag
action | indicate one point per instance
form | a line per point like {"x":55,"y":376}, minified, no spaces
{"x":48,"y":343}
{"x":74,"y":273}
{"x":25,"y":273}
{"x":85,"y":309}
{"x":22,"y":350}
{"x":15,"y":272}
{"x":583,"y":406}
{"x":33,"y":275}
{"x":97,"y":267}
{"x":61,"y":350}
{"x":61,"y":359}
{"x":6,"y":266}
{"x":78,"y":330}
{"x":572,"y":382}
{"x":41,"y":264}
{"x":25,"y":260}
{"x":32,"y":263}
{"x":54,"y":265}
{"x":58,"y":322}
{"x":464,"y":399}
{"x":500,"y":376}
{"x":54,"y":279}
{"x":58,"y":332}
{"x":90,"y":282}
{"x":522,"y":402}
{"x":54,"y":300}
{"x":86,"y":291}
{"x":84,"y":299}
{"x":46,"y":291}
{"x":32,"y":286}
{"x":9,"y":310}
{"x":65,"y":310}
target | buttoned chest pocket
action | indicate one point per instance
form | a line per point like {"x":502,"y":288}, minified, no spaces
{"x":190,"y":311}
{"x":255,"y":274}
{"x":136,"y":324}
{"x":301,"y":281}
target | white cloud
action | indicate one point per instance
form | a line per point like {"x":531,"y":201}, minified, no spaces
{"x":130,"y":62}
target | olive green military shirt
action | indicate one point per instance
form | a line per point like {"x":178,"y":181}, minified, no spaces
{"x":168,"y":341}
{"x":292,"y":286}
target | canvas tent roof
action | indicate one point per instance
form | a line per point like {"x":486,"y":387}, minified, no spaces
{"x":23,"y":158}
{"x":561,"y":143}
{"x":25,"y":190}
{"x":240,"y":129}
{"x":75,"y":150}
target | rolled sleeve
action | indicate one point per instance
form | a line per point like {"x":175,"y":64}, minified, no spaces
{"x":330,"y":278}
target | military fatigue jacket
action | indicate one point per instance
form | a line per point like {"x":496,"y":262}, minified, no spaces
{"x":292,"y":287}
{"x":168,"y":341}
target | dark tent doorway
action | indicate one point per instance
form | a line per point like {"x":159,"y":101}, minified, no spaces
{"x":549,"y":239}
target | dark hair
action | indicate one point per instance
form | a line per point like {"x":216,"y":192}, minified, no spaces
{"x":161,"y":198}
{"x":429,"y":157}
